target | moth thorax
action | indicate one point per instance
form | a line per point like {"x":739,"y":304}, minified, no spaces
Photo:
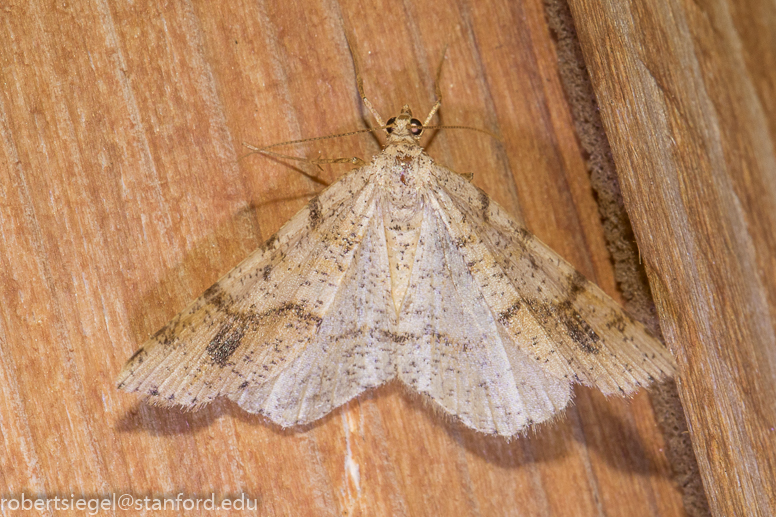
{"x":402,"y":184}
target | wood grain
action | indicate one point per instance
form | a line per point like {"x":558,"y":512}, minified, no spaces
{"x":123,"y":196}
{"x":692,"y":134}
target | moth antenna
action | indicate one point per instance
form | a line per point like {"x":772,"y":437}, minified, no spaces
{"x":360,"y":85}
{"x":437,"y":88}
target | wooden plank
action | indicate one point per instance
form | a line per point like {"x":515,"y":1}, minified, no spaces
{"x":687,"y":105}
{"x":123,"y":198}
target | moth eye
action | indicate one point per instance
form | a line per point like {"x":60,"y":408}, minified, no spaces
{"x":416,"y":127}
{"x":389,"y":124}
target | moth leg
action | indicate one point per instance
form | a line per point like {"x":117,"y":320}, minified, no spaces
{"x":468,"y":176}
{"x":355,"y":160}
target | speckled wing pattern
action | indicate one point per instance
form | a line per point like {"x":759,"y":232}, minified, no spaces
{"x":552,"y":313}
{"x":455,"y":351}
{"x":352,"y":350}
{"x":402,"y":269}
{"x":258,"y":318}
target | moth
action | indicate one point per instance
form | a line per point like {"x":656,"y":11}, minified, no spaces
{"x":402,"y":269}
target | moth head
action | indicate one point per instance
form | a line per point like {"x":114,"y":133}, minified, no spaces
{"x":404,"y":125}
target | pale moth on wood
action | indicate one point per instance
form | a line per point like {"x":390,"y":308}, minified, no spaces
{"x":401,"y":269}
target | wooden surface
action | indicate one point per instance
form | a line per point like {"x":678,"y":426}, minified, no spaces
{"x":692,"y":133}
{"x":122,"y":198}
